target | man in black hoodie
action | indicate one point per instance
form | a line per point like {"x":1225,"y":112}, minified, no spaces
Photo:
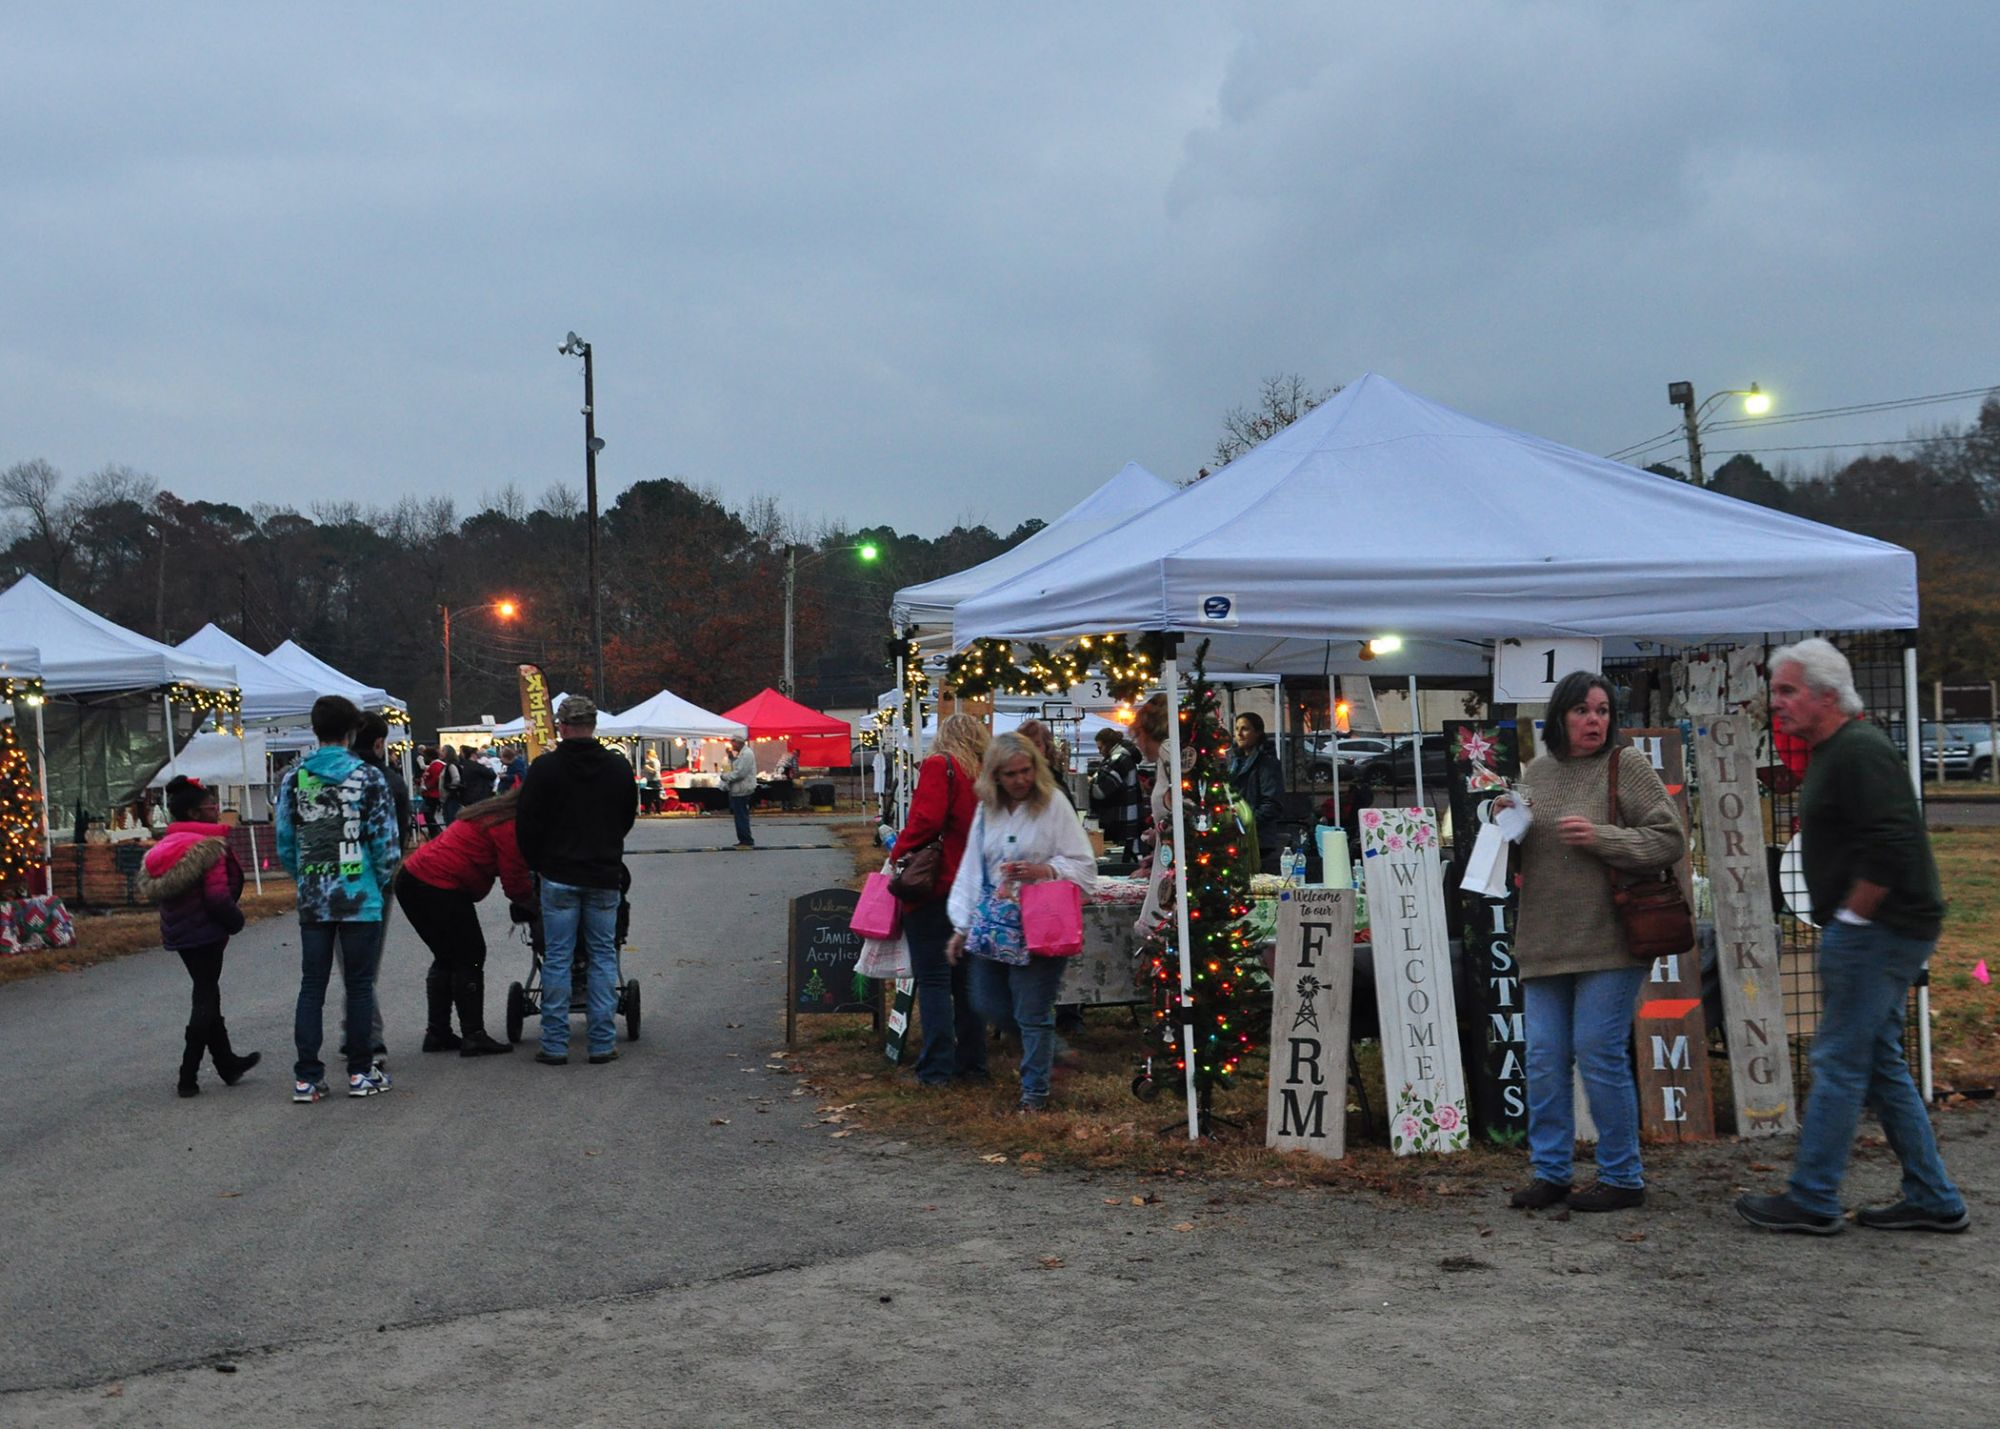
{"x":577,"y":804}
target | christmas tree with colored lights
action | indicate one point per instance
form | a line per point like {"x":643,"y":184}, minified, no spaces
{"x":1227,"y":975}
{"x":20,"y":816}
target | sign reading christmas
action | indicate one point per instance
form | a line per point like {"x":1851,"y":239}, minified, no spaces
{"x":1312,"y":985}
{"x":1483,"y":756}
{"x":1420,"y":1058}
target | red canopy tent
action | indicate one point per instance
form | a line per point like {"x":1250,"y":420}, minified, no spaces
{"x":820,"y":741}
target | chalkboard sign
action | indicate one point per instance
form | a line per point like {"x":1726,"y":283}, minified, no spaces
{"x":819,"y":966}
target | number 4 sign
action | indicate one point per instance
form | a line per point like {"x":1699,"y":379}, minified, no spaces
{"x":1525,"y":671}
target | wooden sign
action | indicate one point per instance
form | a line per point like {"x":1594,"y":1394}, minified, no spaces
{"x":1421,"y":1070}
{"x":1480,"y":756}
{"x":535,"y":711}
{"x":1732,"y":826}
{"x":1312,"y":987}
{"x":1672,"y":1029}
{"x":819,"y":965}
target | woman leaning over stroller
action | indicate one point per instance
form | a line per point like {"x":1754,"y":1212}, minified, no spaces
{"x":439,"y":887}
{"x":197,"y":880}
{"x":1022,"y":833}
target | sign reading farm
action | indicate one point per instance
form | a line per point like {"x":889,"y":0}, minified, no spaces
{"x":1312,"y":985}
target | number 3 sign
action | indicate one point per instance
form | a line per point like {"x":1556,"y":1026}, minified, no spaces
{"x":1525,"y":671}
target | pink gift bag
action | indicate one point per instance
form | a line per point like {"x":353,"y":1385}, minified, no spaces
{"x":1052,"y":918}
{"x":879,"y":914}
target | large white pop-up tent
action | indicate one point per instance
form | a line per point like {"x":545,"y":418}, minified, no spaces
{"x":1381,"y":512}
{"x":271,"y":693}
{"x":302,"y":663}
{"x":82,"y":651}
{"x":667,"y":716}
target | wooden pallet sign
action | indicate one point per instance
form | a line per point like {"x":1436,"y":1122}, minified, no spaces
{"x":1482,"y":755}
{"x":1421,"y":1068}
{"x":1312,"y":999}
{"x":1746,"y":937}
{"x":1674,"y":1101}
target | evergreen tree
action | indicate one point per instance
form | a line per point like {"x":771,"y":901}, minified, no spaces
{"x":20,"y":816}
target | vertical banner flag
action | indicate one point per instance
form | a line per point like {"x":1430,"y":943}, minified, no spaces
{"x":1674,"y":1101}
{"x":1312,"y":987}
{"x":1421,"y":1072}
{"x":535,"y":711}
{"x":1481,"y":758}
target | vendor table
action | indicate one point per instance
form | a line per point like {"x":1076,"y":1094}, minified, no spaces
{"x":1106,"y":972}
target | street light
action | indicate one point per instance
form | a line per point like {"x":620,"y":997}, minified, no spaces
{"x":506,"y":609}
{"x":867,"y":550}
{"x":1681,"y":394}
{"x":574,"y":346}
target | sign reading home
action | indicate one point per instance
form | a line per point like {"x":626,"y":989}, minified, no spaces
{"x":1312,"y":985}
{"x":1421,"y":1071}
{"x":1732,"y":824}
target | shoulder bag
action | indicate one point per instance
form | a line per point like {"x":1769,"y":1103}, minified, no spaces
{"x":1656,"y":918}
{"x":913,"y":873}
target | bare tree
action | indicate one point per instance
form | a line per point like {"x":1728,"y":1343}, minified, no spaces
{"x":562,"y":501}
{"x":48,"y":521}
{"x":508,"y":503}
{"x":1283,"y":400}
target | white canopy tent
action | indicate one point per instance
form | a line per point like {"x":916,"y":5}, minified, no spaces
{"x":20,"y":662}
{"x":326,"y":680}
{"x":270,"y":691}
{"x":665,"y":716}
{"x":82,"y":651}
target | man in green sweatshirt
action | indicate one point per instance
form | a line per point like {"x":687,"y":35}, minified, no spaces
{"x":1876,"y":898}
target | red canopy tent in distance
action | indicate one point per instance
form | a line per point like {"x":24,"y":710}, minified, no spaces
{"x":820,"y":741}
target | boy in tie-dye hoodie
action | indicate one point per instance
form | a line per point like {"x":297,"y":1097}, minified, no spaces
{"x":337,"y":834}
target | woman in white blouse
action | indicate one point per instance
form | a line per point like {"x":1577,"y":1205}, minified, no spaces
{"x":1022,"y":833}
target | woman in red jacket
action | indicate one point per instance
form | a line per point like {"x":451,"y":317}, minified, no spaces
{"x":941,"y":808}
{"x":439,"y":887}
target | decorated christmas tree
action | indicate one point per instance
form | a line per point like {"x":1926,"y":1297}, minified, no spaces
{"x":20,"y":816}
{"x":1227,"y":976}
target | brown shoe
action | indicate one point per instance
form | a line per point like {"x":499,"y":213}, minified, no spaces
{"x":1539,"y":1195}
{"x":1600,"y":1197}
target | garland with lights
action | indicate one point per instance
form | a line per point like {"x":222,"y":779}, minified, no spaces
{"x":20,"y":816}
{"x":1228,"y":977}
{"x":26,"y":688}
{"x":1028,"y":668}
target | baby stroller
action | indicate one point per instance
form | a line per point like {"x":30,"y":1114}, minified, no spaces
{"x":525,"y":1000}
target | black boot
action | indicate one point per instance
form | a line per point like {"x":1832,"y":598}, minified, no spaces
{"x":227,"y":1064}
{"x":438,"y":1036}
{"x":191,"y":1054}
{"x":468,"y":988}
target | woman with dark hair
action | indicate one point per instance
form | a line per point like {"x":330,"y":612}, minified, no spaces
{"x":371,"y":742}
{"x":196,"y":879}
{"x":1259,"y":782}
{"x":439,"y":887}
{"x":1579,"y":983}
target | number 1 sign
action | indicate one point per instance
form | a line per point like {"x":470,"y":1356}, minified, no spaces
{"x":1525,"y":671}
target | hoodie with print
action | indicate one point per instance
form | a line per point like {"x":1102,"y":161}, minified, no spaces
{"x":337,"y":834}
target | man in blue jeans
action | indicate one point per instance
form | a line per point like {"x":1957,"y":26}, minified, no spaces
{"x":578,"y":802}
{"x":1879,"y":906}
{"x":337,"y":834}
{"x":739,"y":782}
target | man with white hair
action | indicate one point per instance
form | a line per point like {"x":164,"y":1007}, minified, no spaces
{"x":1879,"y":906}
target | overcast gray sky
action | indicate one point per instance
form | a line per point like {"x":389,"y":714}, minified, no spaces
{"x":915,"y":263}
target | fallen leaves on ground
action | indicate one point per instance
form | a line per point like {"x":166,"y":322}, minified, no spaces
{"x":722,"y":1120}
{"x":1052,"y":1262}
{"x":994,"y":1158}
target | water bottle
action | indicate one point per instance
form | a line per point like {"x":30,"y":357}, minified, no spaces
{"x":1288,"y":865}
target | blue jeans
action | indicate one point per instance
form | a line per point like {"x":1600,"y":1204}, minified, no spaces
{"x":739,"y":809}
{"x":954,"y":1035}
{"x":1583,"y":1020}
{"x":360,"y":947}
{"x":570,"y":912}
{"x":1857,"y":1056}
{"x":1023,"y":998}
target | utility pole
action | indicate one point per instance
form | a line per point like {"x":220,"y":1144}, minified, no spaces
{"x":575,"y":346}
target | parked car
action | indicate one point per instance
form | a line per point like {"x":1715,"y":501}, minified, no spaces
{"x":1396,"y":768}
{"x":1351,"y":749}
{"x":1960,"y":750}
{"x":1977,"y":740}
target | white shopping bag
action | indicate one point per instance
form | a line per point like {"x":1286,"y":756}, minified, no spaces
{"x":885,"y":958}
{"x":1486,"y":869}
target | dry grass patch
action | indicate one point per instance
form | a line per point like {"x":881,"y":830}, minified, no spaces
{"x":101,"y":937}
{"x":858,"y":837}
{"x":1966,"y":1028}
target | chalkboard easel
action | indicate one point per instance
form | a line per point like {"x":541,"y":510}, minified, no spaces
{"x":820,"y":960}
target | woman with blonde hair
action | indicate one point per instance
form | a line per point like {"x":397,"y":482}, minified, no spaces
{"x":1021,"y":834}
{"x":941,"y":811}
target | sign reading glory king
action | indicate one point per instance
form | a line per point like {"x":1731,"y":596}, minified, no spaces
{"x":1312,"y":984}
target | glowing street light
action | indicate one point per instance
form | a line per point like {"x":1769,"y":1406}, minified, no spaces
{"x":868,"y":551}
{"x":1756,"y":403}
{"x":506,"y":608}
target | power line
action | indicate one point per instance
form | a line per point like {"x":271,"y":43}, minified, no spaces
{"x":1821,"y":414}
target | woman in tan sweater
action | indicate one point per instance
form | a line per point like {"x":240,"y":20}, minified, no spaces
{"x":1579,"y":984}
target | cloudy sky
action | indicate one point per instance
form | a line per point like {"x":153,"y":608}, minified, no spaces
{"x":922,"y":263}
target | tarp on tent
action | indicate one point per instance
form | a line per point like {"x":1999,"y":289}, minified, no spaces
{"x":820,"y":740}
{"x":303,"y":664}
{"x":82,"y":651}
{"x":929,"y":606}
{"x":1382,"y":512}
{"x":20,"y":662}
{"x":270,"y":692}
{"x":666,"y":715}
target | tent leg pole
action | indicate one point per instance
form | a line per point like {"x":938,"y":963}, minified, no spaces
{"x":1332,"y":745}
{"x":1170,"y":677}
{"x":243,"y":816}
{"x":1417,"y":744}
{"x":42,"y":772}
{"x":1913,"y":726}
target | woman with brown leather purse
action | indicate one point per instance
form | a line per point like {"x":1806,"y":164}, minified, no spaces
{"x":941,"y":808}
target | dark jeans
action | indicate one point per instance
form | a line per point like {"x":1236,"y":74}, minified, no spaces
{"x":954,"y":1035}
{"x":448,"y":922}
{"x":739,"y":809}
{"x":360,"y":949}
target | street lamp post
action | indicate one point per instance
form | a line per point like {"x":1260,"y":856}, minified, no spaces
{"x":1681,"y":394}
{"x":507,"y":609}
{"x":574,"y":346}
{"x":868,"y":552}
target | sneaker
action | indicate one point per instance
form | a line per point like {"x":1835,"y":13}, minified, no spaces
{"x":1600,"y":1197}
{"x":598,"y":1059}
{"x":1539,"y":1195}
{"x":1905,"y":1216}
{"x":367,"y":1084}
{"x":553,"y":1059}
{"x":308,"y":1091}
{"x":1781,"y":1213}
{"x":746,"y":846}
{"x":380,"y":1072}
